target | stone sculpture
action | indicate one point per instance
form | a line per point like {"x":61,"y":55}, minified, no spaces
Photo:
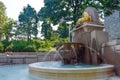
{"x":90,"y":14}
{"x":85,"y":18}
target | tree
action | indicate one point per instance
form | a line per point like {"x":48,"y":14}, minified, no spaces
{"x":71,"y":10}
{"x":3,"y":17}
{"x":28,"y":22}
{"x":53,"y":11}
{"x":108,"y":6}
{"x":52,"y":14}
{"x":63,"y":30}
{"x":46,"y":30}
{"x":2,"y":14}
{"x":7,"y":29}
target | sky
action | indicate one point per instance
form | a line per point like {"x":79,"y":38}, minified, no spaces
{"x":14,"y":7}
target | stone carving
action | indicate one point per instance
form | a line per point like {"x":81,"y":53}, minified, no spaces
{"x":85,"y":18}
{"x":90,"y":14}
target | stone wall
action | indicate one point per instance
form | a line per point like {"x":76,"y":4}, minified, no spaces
{"x":111,"y":54}
{"x":112,"y":25}
{"x":24,"y":57}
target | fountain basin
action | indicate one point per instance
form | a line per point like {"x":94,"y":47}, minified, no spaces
{"x":54,"y":71}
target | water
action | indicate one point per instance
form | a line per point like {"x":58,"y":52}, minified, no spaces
{"x":58,"y":64}
{"x":45,"y":57}
{"x":55,"y":56}
{"x":20,"y":72}
{"x":74,"y":51}
{"x":16,"y":72}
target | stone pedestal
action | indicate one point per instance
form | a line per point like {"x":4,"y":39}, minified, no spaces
{"x":92,"y":36}
{"x":98,"y":38}
{"x":88,"y":27}
{"x":111,"y":54}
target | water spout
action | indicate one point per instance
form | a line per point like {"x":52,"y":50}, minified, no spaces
{"x":58,"y":53}
{"x":74,"y":51}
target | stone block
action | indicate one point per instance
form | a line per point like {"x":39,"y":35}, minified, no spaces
{"x":111,"y":54}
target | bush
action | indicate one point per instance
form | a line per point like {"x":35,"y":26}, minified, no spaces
{"x":44,"y":49}
{"x":17,"y":46}
{"x":30,"y":48}
{"x":5,"y":43}
{"x":60,"y":40}
{"x":36,"y":43}
{"x":1,"y":47}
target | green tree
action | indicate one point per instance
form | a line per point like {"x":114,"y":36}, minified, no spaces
{"x":63,"y":30}
{"x":46,"y":30}
{"x":7,"y":29}
{"x":53,"y":10}
{"x":108,"y":6}
{"x":53,"y":13}
{"x":3,"y":17}
{"x":71,"y":10}
{"x":16,"y":30}
{"x":28,"y":22}
{"x":2,"y":14}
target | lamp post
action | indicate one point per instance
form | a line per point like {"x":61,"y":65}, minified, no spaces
{"x":69,"y":23}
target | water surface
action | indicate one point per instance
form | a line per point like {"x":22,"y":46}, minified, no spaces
{"x":16,"y":72}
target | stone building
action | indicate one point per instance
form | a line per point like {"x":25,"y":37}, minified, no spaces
{"x":112,"y":25}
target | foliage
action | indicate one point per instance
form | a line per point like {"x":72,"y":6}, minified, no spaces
{"x":32,"y":46}
{"x":46,"y":30}
{"x":24,"y":46}
{"x":3,"y":17}
{"x":108,"y":6}
{"x":52,"y":10}
{"x":17,"y":46}
{"x":21,"y":46}
{"x":1,"y":47}
{"x":16,"y":30}
{"x":59,"y":40}
{"x":5,"y":43}
{"x":7,"y":29}
{"x":28,"y":22}
{"x":63,"y":30}
{"x":2,"y":14}
{"x":59,"y":11}
{"x":45,"y":46}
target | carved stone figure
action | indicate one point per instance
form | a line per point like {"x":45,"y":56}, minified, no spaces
{"x":90,"y":14}
{"x":85,"y":18}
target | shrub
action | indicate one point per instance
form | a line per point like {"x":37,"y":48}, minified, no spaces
{"x":1,"y":47}
{"x":30,"y":48}
{"x":5,"y":43}
{"x":36,"y":43}
{"x":17,"y":46}
{"x":44,"y":49}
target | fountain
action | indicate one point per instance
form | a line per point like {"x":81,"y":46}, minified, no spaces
{"x":71,"y":52}
{"x":81,"y":59}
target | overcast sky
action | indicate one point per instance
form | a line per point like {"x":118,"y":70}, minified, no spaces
{"x":14,"y":7}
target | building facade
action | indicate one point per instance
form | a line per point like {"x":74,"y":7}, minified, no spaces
{"x":112,"y":25}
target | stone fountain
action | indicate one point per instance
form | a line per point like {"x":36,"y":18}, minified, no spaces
{"x":85,"y":49}
{"x":71,"y":52}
